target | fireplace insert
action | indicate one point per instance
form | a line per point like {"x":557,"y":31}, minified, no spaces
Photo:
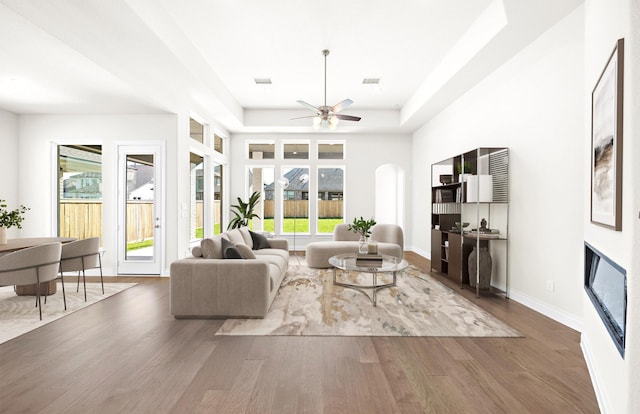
{"x":606,"y":285}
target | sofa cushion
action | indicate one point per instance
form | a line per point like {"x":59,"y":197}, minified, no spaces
{"x":259,"y":241}
{"x":212,"y":247}
{"x":246,"y":236}
{"x":272,"y":252}
{"x":277,"y":258}
{"x":235,"y":236}
{"x":245,"y":251}
{"x":229,"y":250}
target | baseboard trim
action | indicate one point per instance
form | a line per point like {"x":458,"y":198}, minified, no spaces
{"x":558,"y":315}
{"x":603,"y":402}
{"x":420,"y":252}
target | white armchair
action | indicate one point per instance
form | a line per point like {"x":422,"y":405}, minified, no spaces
{"x":32,"y":266}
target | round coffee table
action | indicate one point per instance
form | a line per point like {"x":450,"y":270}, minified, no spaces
{"x":348,"y":263}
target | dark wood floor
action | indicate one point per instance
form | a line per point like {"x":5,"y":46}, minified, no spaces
{"x":127,"y":354}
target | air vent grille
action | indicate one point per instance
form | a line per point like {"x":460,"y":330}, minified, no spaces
{"x":370,"y":81}
{"x":262,"y":81}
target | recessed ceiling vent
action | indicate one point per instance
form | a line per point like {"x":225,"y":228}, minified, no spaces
{"x":370,"y":81}
{"x":262,"y":81}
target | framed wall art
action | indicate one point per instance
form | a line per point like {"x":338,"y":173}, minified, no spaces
{"x":606,"y":142}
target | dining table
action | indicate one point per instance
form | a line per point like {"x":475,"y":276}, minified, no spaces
{"x":14,"y":245}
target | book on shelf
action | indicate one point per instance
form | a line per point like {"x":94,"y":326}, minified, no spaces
{"x":444,"y":196}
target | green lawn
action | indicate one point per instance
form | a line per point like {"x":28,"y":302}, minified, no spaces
{"x":139,"y":245}
{"x":302,"y":225}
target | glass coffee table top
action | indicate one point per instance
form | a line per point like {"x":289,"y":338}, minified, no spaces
{"x":349,"y":262}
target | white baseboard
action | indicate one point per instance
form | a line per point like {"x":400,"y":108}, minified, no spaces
{"x":558,"y":315}
{"x":423,"y":253}
{"x":603,"y":402}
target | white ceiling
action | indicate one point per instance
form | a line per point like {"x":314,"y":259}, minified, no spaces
{"x":201,"y":56}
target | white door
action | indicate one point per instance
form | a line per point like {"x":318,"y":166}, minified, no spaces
{"x":140,"y":209}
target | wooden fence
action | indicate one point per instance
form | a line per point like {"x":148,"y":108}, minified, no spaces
{"x":139,"y":220}
{"x":326,"y":208}
{"x":81,"y":219}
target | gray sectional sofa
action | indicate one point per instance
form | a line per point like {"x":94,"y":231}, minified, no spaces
{"x":209,"y":286}
{"x":389,"y":237}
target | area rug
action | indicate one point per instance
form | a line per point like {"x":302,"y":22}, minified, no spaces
{"x":18,"y":314}
{"x":308,"y":303}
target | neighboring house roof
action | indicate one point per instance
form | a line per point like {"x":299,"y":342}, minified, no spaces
{"x":332,"y":181}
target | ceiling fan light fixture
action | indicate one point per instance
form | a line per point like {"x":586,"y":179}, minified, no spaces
{"x":325,"y":115}
{"x":333,"y":122}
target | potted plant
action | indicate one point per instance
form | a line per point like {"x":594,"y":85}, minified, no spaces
{"x":243,"y":212}
{"x":10,"y":218}
{"x":363,"y":228}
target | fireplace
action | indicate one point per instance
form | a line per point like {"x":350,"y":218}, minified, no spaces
{"x":606,"y":285}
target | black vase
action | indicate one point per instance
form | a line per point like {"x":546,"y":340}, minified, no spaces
{"x":485,"y":267}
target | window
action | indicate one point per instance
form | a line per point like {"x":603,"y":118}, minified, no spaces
{"x":196,"y":164}
{"x":296,"y":151}
{"x":295,"y":200}
{"x":330,"y":195}
{"x":330,"y":151}
{"x":258,"y":151}
{"x":196,"y":130}
{"x":314,"y":205}
{"x":80,"y":191}
{"x":217,"y":198}
{"x":218,"y":144}
{"x":261,"y":180}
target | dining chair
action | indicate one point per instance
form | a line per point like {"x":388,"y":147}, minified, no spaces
{"x":80,"y":255}
{"x":32,"y":266}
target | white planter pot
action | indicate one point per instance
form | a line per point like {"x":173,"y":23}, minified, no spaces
{"x":3,"y":235}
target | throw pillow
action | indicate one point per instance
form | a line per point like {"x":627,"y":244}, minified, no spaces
{"x":235,"y":236}
{"x":212,"y":248}
{"x":229,"y":250}
{"x":245,"y":251}
{"x":196,"y":251}
{"x":259,"y":241}
{"x":244,"y":231}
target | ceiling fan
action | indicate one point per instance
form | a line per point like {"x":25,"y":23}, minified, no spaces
{"x":328,"y":116}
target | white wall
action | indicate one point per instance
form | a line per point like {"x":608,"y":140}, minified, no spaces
{"x":364,"y":154}
{"x":40,"y":133}
{"x":9,"y":162}
{"x":533,"y":104}
{"x":615,"y":378}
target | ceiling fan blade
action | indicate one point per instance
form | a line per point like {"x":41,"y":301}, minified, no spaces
{"x":341,"y":105}
{"x":309,"y":106}
{"x":301,"y":117}
{"x":347,"y":117}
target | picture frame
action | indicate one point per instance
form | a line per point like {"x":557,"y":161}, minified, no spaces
{"x":606,"y":142}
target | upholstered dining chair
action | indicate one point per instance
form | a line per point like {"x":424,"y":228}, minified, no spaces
{"x":80,"y":255}
{"x":32,"y":266}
